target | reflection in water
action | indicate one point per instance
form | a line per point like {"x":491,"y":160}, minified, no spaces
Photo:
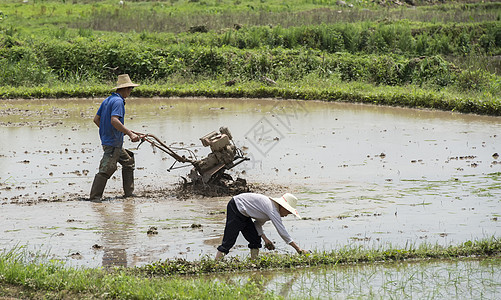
{"x":117,"y":230}
{"x":463,"y":279}
{"x":265,"y":279}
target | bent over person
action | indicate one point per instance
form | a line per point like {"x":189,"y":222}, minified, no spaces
{"x":243,"y":208}
{"x":110,"y":120}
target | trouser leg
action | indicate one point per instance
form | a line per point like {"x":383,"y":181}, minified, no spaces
{"x":107,"y":166}
{"x":128,"y":164}
{"x":250,"y":234}
{"x":235,"y":222}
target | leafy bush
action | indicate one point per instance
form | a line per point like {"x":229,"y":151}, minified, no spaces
{"x":473,"y":80}
{"x":23,"y":73}
{"x":351,"y":68}
{"x":19,"y":66}
{"x":433,"y":70}
{"x":384,"y":70}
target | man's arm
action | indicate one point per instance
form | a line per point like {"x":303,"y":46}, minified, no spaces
{"x":299,"y":250}
{"x":277,"y":222}
{"x":97,"y":120}
{"x":268,"y":244}
{"x":115,"y":121}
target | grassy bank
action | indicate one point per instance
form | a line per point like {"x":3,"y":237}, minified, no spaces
{"x":23,"y":276}
{"x":52,"y":280}
{"x":307,"y":89}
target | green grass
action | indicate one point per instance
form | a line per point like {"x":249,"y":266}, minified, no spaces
{"x":433,"y":279}
{"x":179,"y":15}
{"x":346,"y":255}
{"x":56,"y":49}
{"x":23,"y":275}
{"x":51,"y":279}
{"x":308,"y":89}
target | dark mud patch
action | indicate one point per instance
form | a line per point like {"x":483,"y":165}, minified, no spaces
{"x":40,"y":124}
{"x":34,"y":199}
{"x":226,"y":187}
{"x":223,"y":187}
{"x":183,"y":190}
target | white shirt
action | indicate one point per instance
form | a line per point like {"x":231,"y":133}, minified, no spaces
{"x":262,"y":209}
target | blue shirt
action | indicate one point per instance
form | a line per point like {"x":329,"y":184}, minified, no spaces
{"x":114,"y":105}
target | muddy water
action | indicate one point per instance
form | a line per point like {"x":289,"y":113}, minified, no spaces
{"x":364,"y":175}
{"x":463,"y":279}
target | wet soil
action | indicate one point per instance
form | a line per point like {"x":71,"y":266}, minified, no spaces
{"x":222,"y":187}
{"x":364,"y":175}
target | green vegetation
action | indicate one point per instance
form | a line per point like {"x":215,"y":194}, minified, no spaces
{"x":23,"y":275}
{"x":36,"y":279}
{"x":346,"y":255}
{"x":401,"y":55}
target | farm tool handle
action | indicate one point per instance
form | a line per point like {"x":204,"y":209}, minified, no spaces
{"x":156,"y":142}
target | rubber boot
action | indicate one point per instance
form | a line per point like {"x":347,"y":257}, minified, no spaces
{"x":96,"y":192}
{"x":254,"y":253}
{"x":128,"y":182}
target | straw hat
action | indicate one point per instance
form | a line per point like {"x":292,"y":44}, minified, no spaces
{"x":288,"y":201}
{"x":124,"y":82}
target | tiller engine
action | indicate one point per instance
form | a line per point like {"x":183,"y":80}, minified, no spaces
{"x":211,"y":169}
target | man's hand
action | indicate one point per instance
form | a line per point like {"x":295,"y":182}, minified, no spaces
{"x":267,"y":243}
{"x":303,"y":252}
{"x":269,"y":246}
{"x":299,"y":250}
{"x":134,"y":137}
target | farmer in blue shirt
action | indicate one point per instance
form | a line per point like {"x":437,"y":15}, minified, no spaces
{"x":110,"y":120}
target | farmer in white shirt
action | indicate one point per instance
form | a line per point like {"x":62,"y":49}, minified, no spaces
{"x":247,"y":206}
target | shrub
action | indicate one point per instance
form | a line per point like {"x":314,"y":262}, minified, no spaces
{"x":384,"y":70}
{"x":24,"y":72}
{"x":352,"y":69}
{"x":207,"y":61}
{"x":434,"y":70}
{"x":473,"y":80}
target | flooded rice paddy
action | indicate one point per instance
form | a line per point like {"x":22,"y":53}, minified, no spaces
{"x":465,"y":279}
{"x":365,"y":175}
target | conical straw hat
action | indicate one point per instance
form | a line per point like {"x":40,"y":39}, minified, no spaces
{"x":289,"y":202}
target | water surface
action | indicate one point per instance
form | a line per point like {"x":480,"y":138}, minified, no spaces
{"x":364,"y":175}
